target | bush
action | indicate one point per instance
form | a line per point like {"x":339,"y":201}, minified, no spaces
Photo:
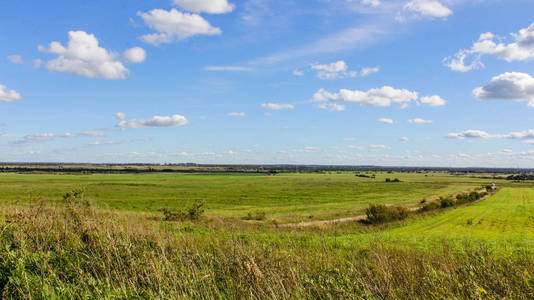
{"x":430,"y":206}
{"x":193,"y":213}
{"x":257,"y":216}
{"x":379,"y":213}
{"x":446,"y":202}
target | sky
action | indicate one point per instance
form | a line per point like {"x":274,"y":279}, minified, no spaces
{"x":446,"y":83}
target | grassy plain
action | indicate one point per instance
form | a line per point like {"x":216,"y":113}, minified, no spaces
{"x":284,"y":196}
{"x":478,"y":251}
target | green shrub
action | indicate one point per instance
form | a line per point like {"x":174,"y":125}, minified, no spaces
{"x":446,"y":202}
{"x":430,"y":206}
{"x":257,"y":216}
{"x":379,"y":213}
{"x":192,"y":213}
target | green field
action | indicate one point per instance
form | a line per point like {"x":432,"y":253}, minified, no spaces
{"x":283,"y":196}
{"x":118,"y":246}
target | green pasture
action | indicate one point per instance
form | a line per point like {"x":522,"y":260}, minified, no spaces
{"x":234,"y":195}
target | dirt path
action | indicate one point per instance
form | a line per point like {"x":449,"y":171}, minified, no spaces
{"x":363,"y":217}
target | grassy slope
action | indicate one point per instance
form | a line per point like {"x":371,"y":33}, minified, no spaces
{"x":235,"y":195}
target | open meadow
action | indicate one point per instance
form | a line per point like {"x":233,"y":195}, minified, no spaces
{"x":141,"y":236}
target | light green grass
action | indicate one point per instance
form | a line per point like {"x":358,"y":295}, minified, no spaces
{"x":233,"y":195}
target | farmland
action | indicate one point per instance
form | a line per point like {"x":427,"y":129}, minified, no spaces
{"x":112,"y":241}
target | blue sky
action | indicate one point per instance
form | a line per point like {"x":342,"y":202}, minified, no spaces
{"x":409,"y":83}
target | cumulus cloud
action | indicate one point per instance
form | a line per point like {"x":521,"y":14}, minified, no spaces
{"x":385,"y":121}
{"x":16,"y":59}
{"x":154,"y":122}
{"x":206,"y":6}
{"x":433,"y":101}
{"x":277,"y":106}
{"x":84,"y":57}
{"x":236,"y":114}
{"x":384,"y":96}
{"x":510,"y":85}
{"x":227,"y":68}
{"x":522,"y":48}
{"x":338,"y":69}
{"x":135,"y":55}
{"x":8,"y":95}
{"x":424,"y":8}
{"x":41,"y":137}
{"x":331,"y":106}
{"x":298,"y":73}
{"x":526,"y":136}
{"x":120,"y":116}
{"x":419,"y":121}
{"x":373,"y":3}
{"x":174,"y":25}
{"x":368,"y":71}
{"x":404,"y":139}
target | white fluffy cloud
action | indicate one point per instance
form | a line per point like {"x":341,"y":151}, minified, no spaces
{"x":373,"y":3}
{"x":338,"y":69}
{"x":385,"y":121}
{"x":384,"y":96}
{"x":236,"y":114}
{"x":522,"y":48}
{"x":84,"y":57}
{"x":120,"y":116}
{"x":433,"y":101}
{"x":510,"y":85}
{"x":8,"y":95}
{"x":154,"y":122}
{"x":174,"y":25}
{"x":135,"y":55}
{"x":526,"y":136}
{"x":368,"y":71}
{"x":206,"y":6}
{"x":277,"y":106}
{"x":16,"y":59}
{"x":331,"y":106}
{"x":424,"y":8}
{"x":404,"y":139}
{"x":419,"y":121}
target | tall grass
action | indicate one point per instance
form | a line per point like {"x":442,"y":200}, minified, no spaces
{"x":77,"y":251}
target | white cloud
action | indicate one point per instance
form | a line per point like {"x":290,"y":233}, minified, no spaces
{"x":351,"y":139}
{"x":120,"y":116}
{"x":470,"y":134}
{"x":227,"y":68}
{"x":368,"y":71}
{"x":154,"y":122}
{"x":8,"y":95}
{"x":419,"y":121}
{"x":385,"y":121}
{"x":379,"y":147}
{"x":425,"y":8}
{"x":41,"y":137}
{"x":206,"y":6}
{"x":433,"y":101}
{"x":84,"y":57}
{"x":338,"y":69}
{"x":135,"y":55}
{"x":174,"y":25}
{"x":92,"y":133}
{"x":298,"y":73}
{"x":404,"y":139}
{"x":510,"y":85}
{"x":236,"y":114}
{"x":16,"y":59}
{"x":522,"y":48}
{"x":37,"y":63}
{"x":277,"y":106}
{"x":331,"y":106}
{"x":373,"y":3}
{"x":356,"y":147}
{"x":384,"y":96}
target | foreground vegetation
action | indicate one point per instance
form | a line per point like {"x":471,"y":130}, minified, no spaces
{"x":77,"y":247}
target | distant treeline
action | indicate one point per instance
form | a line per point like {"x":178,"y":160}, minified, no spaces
{"x":521,"y":177}
{"x":267,"y":169}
